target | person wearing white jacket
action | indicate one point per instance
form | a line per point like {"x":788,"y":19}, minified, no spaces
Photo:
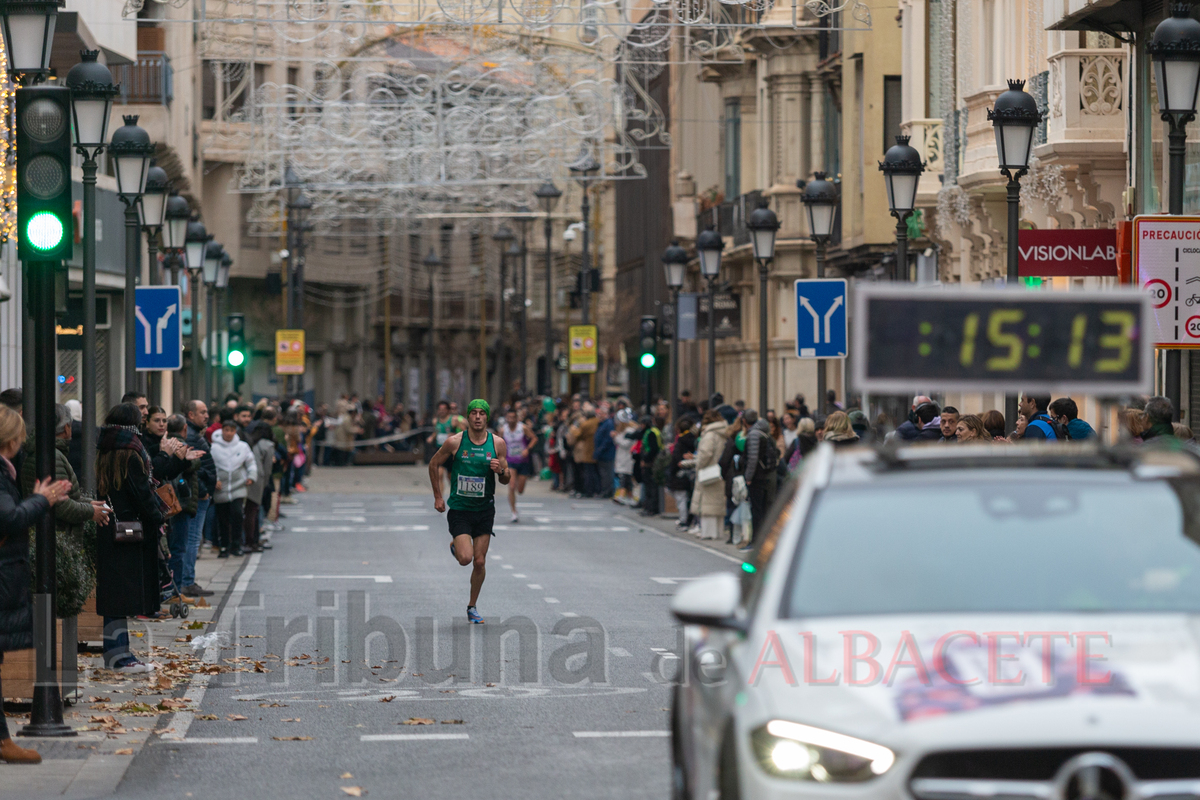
{"x":236,"y":470}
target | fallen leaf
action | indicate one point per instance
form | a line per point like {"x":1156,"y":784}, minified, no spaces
{"x":449,"y":691}
{"x":235,"y":717}
{"x":346,"y":775}
{"x":491,"y":684}
{"x":125,"y":751}
{"x":194,"y":626}
{"x":292,"y":738}
{"x":290,"y":719}
{"x":162,"y":683}
{"x":354,"y":791}
{"x":250,"y":636}
{"x":202,"y":603}
{"x":417,"y":721}
{"x":452,"y":722}
{"x":171,"y":704}
{"x":208,"y":716}
{"x":94,"y":699}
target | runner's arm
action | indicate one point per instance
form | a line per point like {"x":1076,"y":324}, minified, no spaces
{"x":500,"y":464}
{"x":444,"y":454}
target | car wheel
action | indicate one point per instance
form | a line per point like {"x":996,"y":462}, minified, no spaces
{"x":727,"y":766}
{"x":679,"y":787}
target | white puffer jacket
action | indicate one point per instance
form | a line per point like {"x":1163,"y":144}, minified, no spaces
{"x":235,"y":465}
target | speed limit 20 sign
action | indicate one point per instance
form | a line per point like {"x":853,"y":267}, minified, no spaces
{"x":1166,"y":259}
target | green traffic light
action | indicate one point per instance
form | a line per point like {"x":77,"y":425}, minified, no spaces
{"x":44,"y":231}
{"x":236,"y":358}
{"x":648,"y":360}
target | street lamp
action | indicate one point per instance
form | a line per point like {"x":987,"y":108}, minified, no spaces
{"x":1175,"y":50}
{"x":195,"y":243}
{"x":299,"y":207}
{"x":29,"y":36}
{"x":502,"y":236}
{"x":709,"y":245}
{"x":582,"y":168}
{"x":1015,"y":116}
{"x":432,"y":263}
{"x":763,"y":225}
{"x":131,"y":149}
{"x":902,"y":168}
{"x":820,"y":199}
{"x":92,"y":93}
{"x":547,"y":195}
{"x":28,"y":33}
{"x":213,"y":252}
{"x":675,"y":260}
{"x":177,"y":216}
{"x":152,"y":209}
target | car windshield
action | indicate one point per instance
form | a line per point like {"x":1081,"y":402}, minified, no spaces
{"x":1054,"y":544}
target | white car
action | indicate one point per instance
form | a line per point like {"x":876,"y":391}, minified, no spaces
{"x":954,"y":623}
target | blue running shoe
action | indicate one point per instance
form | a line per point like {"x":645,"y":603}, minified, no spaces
{"x":474,"y":616}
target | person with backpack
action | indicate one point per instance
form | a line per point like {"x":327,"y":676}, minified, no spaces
{"x":652,"y":444}
{"x":762,"y":458}
{"x":1066,"y":412}
{"x":1040,"y":426}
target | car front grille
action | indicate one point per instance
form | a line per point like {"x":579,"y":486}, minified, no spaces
{"x":1079,"y":773}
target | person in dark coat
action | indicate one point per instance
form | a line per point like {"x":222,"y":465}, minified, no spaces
{"x":17,"y":516}
{"x":681,"y":481}
{"x":127,"y":582}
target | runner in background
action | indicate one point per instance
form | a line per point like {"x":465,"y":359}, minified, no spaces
{"x":518,"y":439}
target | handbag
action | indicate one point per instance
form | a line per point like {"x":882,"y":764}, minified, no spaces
{"x":168,"y":498}
{"x":128,"y":533}
{"x":709,"y":474}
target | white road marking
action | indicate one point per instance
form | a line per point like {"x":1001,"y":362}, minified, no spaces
{"x":573,"y":518}
{"x":697,"y":545}
{"x":194,"y":696}
{"x":411,"y":737}
{"x":359,"y":529}
{"x":506,"y":566}
{"x":550,"y":599}
{"x":218,"y":740}
{"x":329,"y":518}
{"x":568,"y":613}
{"x":534,"y":585}
{"x":560,"y":529}
{"x":618,"y":528}
{"x":620,"y":652}
{"x":376,"y":578}
{"x":620,"y":734}
{"x":670,"y":581}
{"x":520,"y":575}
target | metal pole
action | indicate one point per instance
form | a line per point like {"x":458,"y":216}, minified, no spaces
{"x":430,"y":353}
{"x":153,"y":380}
{"x":901,"y":249}
{"x":300,"y":298}
{"x":1014,"y":226}
{"x":194,"y":289}
{"x":1176,"y":149}
{"x":388,"y":375}
{"x":524,"y":318}
{"x":712,"y":336}
{"x":46,"y":717}
{"x":585,"y":283}
{"x":209,"y":387}
{"x":483,"y":381}
{"x":289,"y":294}
{"x":500,"y":360}
{"x":89,"y":327}
{"x":819,"y":406}
{"x":133,"y":243}
{"x":549,"y":308}
{"x":763,"y":278}
{"x":675,"y":355}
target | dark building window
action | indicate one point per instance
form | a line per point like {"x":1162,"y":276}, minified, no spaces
{"x":733,"y":148}
{"x":891,"y":110}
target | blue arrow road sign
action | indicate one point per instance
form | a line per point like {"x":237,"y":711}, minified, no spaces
{"x":821,"y":318}
{"x":159,"y":328}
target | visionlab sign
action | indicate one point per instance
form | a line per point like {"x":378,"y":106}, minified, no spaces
{"x":1067,"y":252}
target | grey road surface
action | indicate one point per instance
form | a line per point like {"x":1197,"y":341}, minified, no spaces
{"x":359,"y":616}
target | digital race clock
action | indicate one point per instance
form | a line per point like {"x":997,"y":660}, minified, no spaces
{"x":1008,"y":340}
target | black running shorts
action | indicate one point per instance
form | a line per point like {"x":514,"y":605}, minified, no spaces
{"x":471,"y":523}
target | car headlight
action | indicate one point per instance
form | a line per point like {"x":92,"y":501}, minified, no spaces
{"x":802,"y":752}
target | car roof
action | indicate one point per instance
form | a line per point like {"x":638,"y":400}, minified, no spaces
{"x":872,"y":464}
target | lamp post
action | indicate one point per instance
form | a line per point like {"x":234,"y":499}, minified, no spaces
{"x":502,"y":237}
{"x":432,"y":262}
{"x":298,"y":211}
{"x":222,"y":287}
{"x":175,"y":233}
{"x":820,"y":199}
{"x":902,"y":168}
{"x":1014,"y":117}
{"x":92,"y":92}
{"x":709,"y":245}
{"x":195,"y":243}
{"x":213,"y":251}
{"x":1175,"y":50}
{"x":675,"y":260}
{"x":583,"y":167}
{"x":763,"y":225}
{"x":28,"y":29}
{"x":523,"y":304}
{"x":131,"y":149}
{"x":152,"y":209}
{"x":547,"y":195}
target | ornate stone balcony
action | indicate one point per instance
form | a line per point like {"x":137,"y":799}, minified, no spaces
{"x":926,"y":137}
{"x":1087,"y":95}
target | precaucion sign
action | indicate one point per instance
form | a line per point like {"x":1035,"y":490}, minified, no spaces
{"x":1166,"y":263}
{"x":289,"y":352}
{"x":583,"y":349}
{"x":1007,"y":340}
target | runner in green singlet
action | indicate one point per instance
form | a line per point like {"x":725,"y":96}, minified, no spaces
{"x":446,"y":424}
{"x":476,"y":458}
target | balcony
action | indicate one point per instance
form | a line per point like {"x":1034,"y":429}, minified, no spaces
{"x":926,"y":136}
{"x":1087,"y":95}
{"x":729,"y":219}
{"x":149,"y":81}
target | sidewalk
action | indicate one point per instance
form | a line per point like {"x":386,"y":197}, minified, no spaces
{"x":665,"y":524}
{"x":116,"y":714}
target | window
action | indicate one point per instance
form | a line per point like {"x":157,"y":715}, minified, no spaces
{"x":860,"y":131}
{"x":891,"y":110}
{"x":733,"y":148}
{"x":293,"y":91}
{"x":208,"y":91}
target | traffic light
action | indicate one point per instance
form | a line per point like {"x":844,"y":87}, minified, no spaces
{"x":648,"y":341}
{"x":236,"y":355}
{"x":44,"y":212}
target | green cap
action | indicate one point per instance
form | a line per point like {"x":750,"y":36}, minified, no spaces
{"x":482,"y":405}
{"x":548,"y":404}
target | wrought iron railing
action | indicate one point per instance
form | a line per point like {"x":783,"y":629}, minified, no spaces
{"x":151,"y":80}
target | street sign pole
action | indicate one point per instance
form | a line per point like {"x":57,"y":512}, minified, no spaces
{"x":821,"y":325}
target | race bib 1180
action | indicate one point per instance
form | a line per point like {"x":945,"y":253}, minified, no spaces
{"x":469,"y":486}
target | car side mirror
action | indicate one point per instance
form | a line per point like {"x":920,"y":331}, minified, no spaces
{"x":712,"y":600}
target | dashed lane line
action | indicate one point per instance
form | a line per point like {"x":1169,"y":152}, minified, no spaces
{"x":412,"y":737}
{"x":620,"y":734}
